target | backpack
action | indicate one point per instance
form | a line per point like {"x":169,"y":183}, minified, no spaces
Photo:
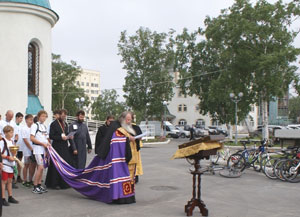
{"x":5,"y":147}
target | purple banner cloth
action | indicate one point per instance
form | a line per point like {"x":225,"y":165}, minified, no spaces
{"x":103,"y":180}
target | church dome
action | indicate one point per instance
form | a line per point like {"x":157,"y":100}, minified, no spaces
{"x":42,"y":3}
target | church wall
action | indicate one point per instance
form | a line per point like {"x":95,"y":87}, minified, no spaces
{"x":17,"y":31}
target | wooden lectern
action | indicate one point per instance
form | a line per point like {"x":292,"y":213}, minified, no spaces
{"x":198,"y":150}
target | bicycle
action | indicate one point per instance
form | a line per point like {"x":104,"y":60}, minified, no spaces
{"x":290,"y":169}
{"x":272,"y":165}
{"x":247,"y":158}
{"x":222,"y":154}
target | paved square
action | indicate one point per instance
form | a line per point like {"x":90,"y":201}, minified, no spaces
{"x":164,"y":189}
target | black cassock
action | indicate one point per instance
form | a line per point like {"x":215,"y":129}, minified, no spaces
{"x":100,"y":136}
{"x":82,"y":141}
{"x":53,"y":179}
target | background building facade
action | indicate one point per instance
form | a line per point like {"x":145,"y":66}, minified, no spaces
{"x":185,"y":111}
{"x":89,"y":80}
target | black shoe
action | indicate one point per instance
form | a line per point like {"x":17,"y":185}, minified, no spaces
{"x":136,"y":179}
{"x":14,"y":186}
{"x":19,"y":179}
{"x":4,"y":202}
{"x":12,"y":200}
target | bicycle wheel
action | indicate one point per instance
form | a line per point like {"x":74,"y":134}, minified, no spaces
{"x":264,"y":160}
{"x":277,"y":169}
{"x":236,"y":162}
{"x":268,"y":168}
{"x":289,"y":171}
{"x":214,"y":158}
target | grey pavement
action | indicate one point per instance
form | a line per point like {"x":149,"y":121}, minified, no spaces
{"x":165,"y":188}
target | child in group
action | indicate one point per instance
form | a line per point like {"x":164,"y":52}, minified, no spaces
{"x":40,"y":141}
{"x":27,"y":149}
{"x":8,"y":165}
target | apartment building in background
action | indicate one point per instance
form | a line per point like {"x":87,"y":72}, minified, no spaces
{"x":89,"y":80}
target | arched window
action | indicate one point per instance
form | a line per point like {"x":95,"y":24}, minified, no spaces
{"x":33,"y":69}
{"x":182,"y":122}
{"x":200,"y":122}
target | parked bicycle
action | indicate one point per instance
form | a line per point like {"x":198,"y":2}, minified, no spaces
{"x":272,"y":165}
{"x":247,"y":158}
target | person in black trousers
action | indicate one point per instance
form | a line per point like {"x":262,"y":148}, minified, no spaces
{"x":192,"y":132}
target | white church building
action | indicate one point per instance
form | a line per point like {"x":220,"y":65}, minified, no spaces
{"x":25,"y":55}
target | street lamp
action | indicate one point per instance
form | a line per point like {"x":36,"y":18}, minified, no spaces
{"x":79,"y":102}
{"x":165,"y":116}
{"x":236,"y":99}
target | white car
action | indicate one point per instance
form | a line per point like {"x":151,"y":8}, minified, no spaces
{"x":183,"y":133}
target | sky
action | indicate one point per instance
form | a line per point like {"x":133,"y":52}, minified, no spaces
{"x":88,"y":31}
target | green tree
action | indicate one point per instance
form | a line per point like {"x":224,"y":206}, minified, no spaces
{"x":247,"y":48}
{"x":107,"y":104}
{"x":64,"y":89}
{"x":294,"y":109}
{"x":148,"y":58}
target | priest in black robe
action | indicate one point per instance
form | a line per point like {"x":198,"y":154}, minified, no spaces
{"x":58,"y":134}
{"x":81,"y":140}
{"x":102,"y":131}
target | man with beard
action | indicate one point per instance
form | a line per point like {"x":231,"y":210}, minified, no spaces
{"x":117,"y":130}
{"x":82,"y":141}
{"x":102,"y":131}
{"x":58,"y":134}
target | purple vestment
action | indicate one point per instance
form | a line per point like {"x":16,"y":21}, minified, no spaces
{"x":103,"y":180}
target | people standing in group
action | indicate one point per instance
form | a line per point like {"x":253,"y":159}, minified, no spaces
{"x":40,"y":140}
{"x":81,"y":139}
{"x":102,"y":131}
{"x":27,"y":150}
{"x":59,"y":131}
{"x":18,"y":119}
{"x":9,"y":163}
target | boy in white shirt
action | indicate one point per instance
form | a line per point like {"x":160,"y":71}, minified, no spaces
{"x":19,"y":119}
{"x":40,"y":140}
{"x":8,"y":164}
{"x":27,"y":149}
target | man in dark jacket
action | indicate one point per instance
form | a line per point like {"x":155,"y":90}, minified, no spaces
{"x":102,"y":131}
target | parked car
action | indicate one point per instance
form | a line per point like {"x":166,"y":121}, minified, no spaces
{"x":217,"y":131}
{"x":183,"y":133}
{"x":271,"y":128}
{"x":171,"y":130}
{"x":201,"y":131}
{"x":293,"y":126}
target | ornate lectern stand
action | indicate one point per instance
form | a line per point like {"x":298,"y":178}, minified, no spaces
{"x":198,"y":150}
